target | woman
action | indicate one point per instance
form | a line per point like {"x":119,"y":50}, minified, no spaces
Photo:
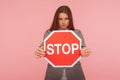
{"x":63,"y":21}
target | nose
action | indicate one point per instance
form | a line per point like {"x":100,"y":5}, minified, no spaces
{"x":63,"y":21}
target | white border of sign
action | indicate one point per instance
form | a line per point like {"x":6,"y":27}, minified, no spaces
{"x":62,"y":31}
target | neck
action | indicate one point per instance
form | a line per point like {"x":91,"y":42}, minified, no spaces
{"x":63,"y":28}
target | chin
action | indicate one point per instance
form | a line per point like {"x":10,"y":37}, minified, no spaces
{"x":63,"y":28}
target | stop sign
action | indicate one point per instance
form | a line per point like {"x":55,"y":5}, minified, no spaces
{"x":62,"y":48}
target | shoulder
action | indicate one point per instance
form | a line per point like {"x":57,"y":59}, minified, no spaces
{"x":47,"y":32}
{"x":77,"y":31}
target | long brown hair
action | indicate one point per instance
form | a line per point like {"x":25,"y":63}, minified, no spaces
{"x":62,"y":9}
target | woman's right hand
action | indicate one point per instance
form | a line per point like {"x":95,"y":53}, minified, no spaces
{"x":39,"y":51}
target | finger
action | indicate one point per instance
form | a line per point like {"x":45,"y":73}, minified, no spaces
{"x":38,"y":56}
{"x":40,"y":48}
{"x":85,"y":55}
{"x":86,"y":49}
{"x":39,"y":53}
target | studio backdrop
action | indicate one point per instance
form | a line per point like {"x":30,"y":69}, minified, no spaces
{"x":22,"y":27}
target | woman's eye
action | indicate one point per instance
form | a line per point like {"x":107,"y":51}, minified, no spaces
{"x":66,"y":19}
{"x":60,"y":18}
{"x":63,"y":19}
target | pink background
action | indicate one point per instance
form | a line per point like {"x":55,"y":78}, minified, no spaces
{"x":23,"y":23}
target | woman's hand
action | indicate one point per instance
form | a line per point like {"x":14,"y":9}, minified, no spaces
{"x":85,"y":52}
{"x":39,"y":51}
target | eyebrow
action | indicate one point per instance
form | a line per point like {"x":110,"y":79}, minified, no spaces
{"x":65,"y":18}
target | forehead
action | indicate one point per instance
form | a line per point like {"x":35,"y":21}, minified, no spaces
{"x":63,"y":15}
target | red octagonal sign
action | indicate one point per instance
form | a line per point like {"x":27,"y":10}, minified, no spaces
{"x":62,"y":48}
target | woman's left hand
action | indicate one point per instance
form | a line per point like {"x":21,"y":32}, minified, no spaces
{"x":85,"y":52}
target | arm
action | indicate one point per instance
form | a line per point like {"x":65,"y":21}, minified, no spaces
{"x":39,"y":51}
{"x":85,"y":51}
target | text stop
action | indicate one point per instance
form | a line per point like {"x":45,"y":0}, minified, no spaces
{"x":72,"y":47}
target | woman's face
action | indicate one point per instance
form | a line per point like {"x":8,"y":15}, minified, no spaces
{"x":63,"y":21}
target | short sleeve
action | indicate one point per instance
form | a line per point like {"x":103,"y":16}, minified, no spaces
{"x":47,"y":32}
{"x":79,"y":34}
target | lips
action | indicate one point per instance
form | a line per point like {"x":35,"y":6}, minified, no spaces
{"x":63,"y":25}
